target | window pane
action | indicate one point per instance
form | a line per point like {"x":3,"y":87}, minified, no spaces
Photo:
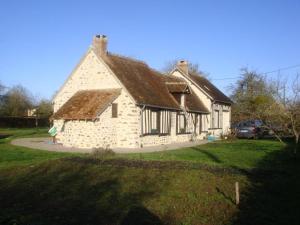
{"x":216,"y":119}
{"x":181,"y":121}
{"x":154,"y":120}
{"x":114,"y":110}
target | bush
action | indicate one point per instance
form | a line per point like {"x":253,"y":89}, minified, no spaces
{"x":23,"y":122}
{"x":101,"y":153}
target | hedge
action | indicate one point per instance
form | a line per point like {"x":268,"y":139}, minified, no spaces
{"x":24,"y":122}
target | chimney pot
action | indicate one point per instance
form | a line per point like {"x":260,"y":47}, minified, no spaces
{"x":100,"y":44}
{"x":183,"y":65}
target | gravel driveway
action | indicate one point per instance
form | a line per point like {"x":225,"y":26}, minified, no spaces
{"x":46,"y":144}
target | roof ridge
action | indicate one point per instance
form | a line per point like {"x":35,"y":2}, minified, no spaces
{"x":198,"y":75}
{"x":175,"y":82}
{"x":137,"y":61}
{"x":128,"y":58}
{"x":156,"y":71}
{"x":104,"y":89}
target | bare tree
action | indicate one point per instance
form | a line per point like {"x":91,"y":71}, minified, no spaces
{"x":290,"y":107}
{"x":275,"y":103}
{"x":44,"y":109}
{"x":254,"y":98}
{"x":17,"y":101}
{"x":2,"y":88}
{"x":250,"y":94}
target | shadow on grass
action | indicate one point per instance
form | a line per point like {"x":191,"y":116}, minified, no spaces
{"x":2,"y":136}
{"x":62,"y":192}
{"x":208,"y":154}
{"x":140,"y":215}
{"x":274,"y":194}
{"x":227,"y":197}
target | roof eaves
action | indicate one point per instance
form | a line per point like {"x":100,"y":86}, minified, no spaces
{"x":197,"y":111}
{"x":156,"y":106}
{"x":226,"y":102}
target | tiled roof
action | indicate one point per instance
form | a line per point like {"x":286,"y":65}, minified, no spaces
{"x":144,"y":84}
{"x":86,"y":104}
{"x":193,"y":103}
{"x":149,"y":87}
{"x":177,"y":88}
{"x":211,"y":89}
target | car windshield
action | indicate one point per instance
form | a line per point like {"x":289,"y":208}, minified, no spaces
{"x":258,"y":123}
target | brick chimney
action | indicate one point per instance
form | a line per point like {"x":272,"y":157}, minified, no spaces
{"x":183,"y":65}
{"x":100,"y":45}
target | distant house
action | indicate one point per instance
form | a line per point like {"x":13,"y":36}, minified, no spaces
{"x":113,"y":101}
{"x":30,"y":112}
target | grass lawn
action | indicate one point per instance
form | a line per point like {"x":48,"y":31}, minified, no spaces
{"x":39,"y":187}
{"x":243,"y":154}
{"x":11,"y":155}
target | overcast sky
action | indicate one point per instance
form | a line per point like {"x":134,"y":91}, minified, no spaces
{"x":41,"y":41}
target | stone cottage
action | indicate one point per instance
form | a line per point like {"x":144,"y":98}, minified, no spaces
{"x":112,"y":101}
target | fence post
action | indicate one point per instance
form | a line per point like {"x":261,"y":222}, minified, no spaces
{"x":237,"y":193}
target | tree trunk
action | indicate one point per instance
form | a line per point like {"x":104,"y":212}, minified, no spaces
{"x":275,"y":134}
{"x":278,"y":137}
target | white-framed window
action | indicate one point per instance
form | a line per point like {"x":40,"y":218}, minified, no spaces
{"x":165,"y":122}
{"x":114,"y":110}
{"x":184,"y":123}
{"x":216,"y":118}
{"x":204,"y":120}
{"x":182,"y":100}
{"x":181,"y":123}
{"x":200,"y":123}
{"x":156,"y":121}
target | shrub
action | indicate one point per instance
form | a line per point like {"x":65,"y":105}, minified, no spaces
{"x":101,"y":153}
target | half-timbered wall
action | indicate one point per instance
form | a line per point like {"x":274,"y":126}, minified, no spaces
{"x":186,"y":123}
{"x":169,"y":134}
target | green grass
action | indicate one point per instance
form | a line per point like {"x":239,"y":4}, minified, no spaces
{"x":243,"y":154}
{"x":40,"y":187}
{"x":11,"y":155}
{"x":82,"y":192}
{"x":25,"y":132}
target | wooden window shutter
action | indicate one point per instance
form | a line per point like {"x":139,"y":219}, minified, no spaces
{"x":114,"y":110}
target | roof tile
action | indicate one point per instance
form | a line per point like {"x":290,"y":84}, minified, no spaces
{"x":87,"y":104}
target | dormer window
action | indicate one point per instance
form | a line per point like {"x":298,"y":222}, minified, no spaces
{"x":179,"y":90}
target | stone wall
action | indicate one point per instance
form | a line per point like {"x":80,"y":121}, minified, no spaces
{"x":100,"y":133}
{"x":127,"y":128}
{"x":106,"y":131}
{"x":89,"y":74}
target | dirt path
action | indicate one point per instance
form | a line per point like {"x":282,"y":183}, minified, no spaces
{"x":46,"y":144}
